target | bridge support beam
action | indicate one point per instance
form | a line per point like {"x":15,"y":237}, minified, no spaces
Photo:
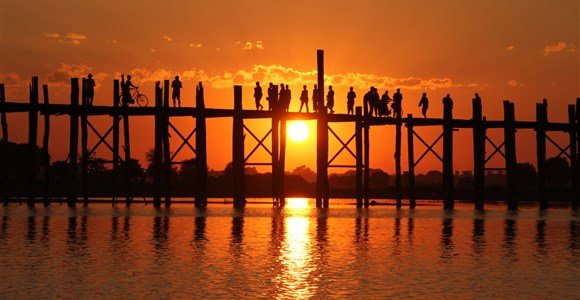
{"x":411,"y":161}
{"x":238,"y":150}
{"x":201,"y":148}
{"x":165,"y":145}
{"x":116,"y":102}
{"x":510,"y":155}
{"x":448,"y":184}
{"x":541,"y":119}
{"x":158,"y":147}
{"x":574,"y":190}
{"x":32,"y":137}
{"x":359,"y":161}
{"x":84,"y":145}
{"x":46,"y":153}
{"x":478,"y":154}
{"x":74,"y":141}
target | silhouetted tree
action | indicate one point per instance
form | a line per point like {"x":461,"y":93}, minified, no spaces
{"x":525,"y":174}
{"x":557,"y":171}
{"x":305,"y":172}
{"x":378,"y":178}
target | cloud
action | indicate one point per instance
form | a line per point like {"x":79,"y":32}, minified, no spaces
{"x":510,"y":47}
{"x":152,"y":50}
{"x":192,"y":45}
{"x":293,"y":77}
{"x":65,"y":72}
{"x":258,"y":45}
{"x":71,"y":37}
{"x":514,"y":83}
{"x":559,"y":47}
{"x":10,"y":78}
{"x":167,"y":38}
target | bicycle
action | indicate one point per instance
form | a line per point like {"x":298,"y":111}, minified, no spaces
{"x":136,"y":97}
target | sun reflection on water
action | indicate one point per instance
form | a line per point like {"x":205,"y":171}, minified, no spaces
{"x":296,"y":255}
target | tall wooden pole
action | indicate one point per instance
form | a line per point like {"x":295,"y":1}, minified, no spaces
{"x":238,"y":150}
{"x":275,"y":152}
{"x":411,"y":160}
{"x":166,"y":150}
{"x":158,"y":147}
{"x":478,"y":154}
{"x":541,"y":122}
{"x":46,"y":153}
{"x":84,"y":144}
{"x":201,"y":148}
{"x":576,"y":175}
{"x":3,"y":114}
{"x":448,"y":184}
{"x":510,"y":154}
{"x":282,"y":159}
{"x":116,"y":103}
{"x":127,"y":148}
{"x":366,"y":158}
{"x":74,"y":141}
{"x":322,"y":138}
{"x":398,"y":187}
{"x":32,"y":137}
{"x":359,"y":157}
{"x":574,"y":189}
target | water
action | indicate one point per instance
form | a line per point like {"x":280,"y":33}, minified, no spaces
{"x":300,"y":252}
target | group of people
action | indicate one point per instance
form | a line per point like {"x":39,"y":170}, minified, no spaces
{"x":279,"y":99}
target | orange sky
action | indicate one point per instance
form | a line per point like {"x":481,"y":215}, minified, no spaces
{"x":517,"y":50}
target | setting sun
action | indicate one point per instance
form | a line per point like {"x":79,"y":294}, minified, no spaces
{"x":297,"y":131}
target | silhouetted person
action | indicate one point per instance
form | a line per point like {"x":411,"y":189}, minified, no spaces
{"x":397,"y":104}
{"x":367,"y":99}
{"x":350,"y":96}
{"x":281,"y":103}
{"x":89,"y":90}
{"x":315,"y":95}
{"x":330,"y":99}
{"x":375,"y":101}
{"x":304,"y":99}
{"x":126,"y":87}
{"x":258,"y":96}
{"x":448,"y":101}
{"x":271,"y":97}
{"x":477,"y":102}
{"x":384,"y":104}
{"x":176,"y":94}
{"x":288,"y":98}
{"x":424,"y":104}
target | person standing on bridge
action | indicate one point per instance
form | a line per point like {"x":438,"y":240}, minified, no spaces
{"x":271,"y":97}
{"x":315,"y":95}
{"x":281,"y":103}
{"x":367,"y":99}
{"x":397,"y":104}
{"x":330,"y":99}
{"x":89,"y":90}
{"x":424,"y":104}
{"x":375,"y":102}
{"x":258,"y":96}
{"x":384,"y":104}
{"x":304,"y":99}
{"x":176,"y":94}
{"x":448,"y":101}
{"x":350,"y":96}
{"x":288,"y":98}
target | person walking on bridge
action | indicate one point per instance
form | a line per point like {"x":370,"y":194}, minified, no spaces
{"x":288,"y":98}
{"x":384,"y":104}
{"x":176,"y":94}
{"x":397,"y":104}
{"x":315,"y":95}
{"x":272,"y":97}
{"x":330,"y":99}
{"x":304,"y":99}
{"x":258,"y":96}
{"x":424,"y":104}
{"x":89,"y":90}
{"x":350,"y":96}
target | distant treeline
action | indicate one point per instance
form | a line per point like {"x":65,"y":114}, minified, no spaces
{"x":15,"y":179}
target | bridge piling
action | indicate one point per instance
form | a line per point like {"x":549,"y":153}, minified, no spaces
{"x":541,"y":119}
{"x":116,"y":102}
{"x":478,"y":154}
{"x":448,"y":179}
{"x":46,"y":154}
{"x":572,"y":119}
{"x":282,"y":162}
{"x":398,"y":186}
{"x":74,"y":141}
{"x":84,"y":143}
{"x":238,"y":150}
{"x":32,"y":137}
{"x":127,"y":152}
{"x":201,"y":148}
{"x":359,"y":161}
{"x":165,"y":145}
{"x":411,"y":161}
{"x":158,"y":147}
{"x":510,"y":155}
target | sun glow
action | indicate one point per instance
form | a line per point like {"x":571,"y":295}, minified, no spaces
{"x":297,"y":131}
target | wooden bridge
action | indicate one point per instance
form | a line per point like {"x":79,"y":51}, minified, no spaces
{"x":163,"y":159}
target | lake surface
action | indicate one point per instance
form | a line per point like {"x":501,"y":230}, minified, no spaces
{"x":296,"y":252}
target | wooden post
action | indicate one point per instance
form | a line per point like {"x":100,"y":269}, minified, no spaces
{"x":165,"y":140}
{"x":574,"y":190}
{"x":448,"y":187}
{"x":157,"y":151}
{"x":398,"y":187}
{"x":510,"y":154}
{"x":541,"y":120}
{"x":366,"y":158}
{"x":322,"y":138}
{"x":3,"y":114}
{"x":359,"y":157}
{"x":201,"y":148}
{"x":127,"y":148}
{"x":282,"y":159}
{"x":238,"y":150}
{"x":84,"y":144}
{"x":46,"y":153}
{"x":478,"y":154}
{"x":74,"y":141}
{"x":116,"y":102}
{"x":411,"y":160}
{"x":32,"y":137}
{"x":275,"y":150}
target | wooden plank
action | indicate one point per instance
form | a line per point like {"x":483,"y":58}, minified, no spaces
{"x":201,"y":150}
{"x":74,"y":142}
{"x":238,"y":150}
{"x":478,"y":154}
{"x":411,"y":161}
{"x":448,"y":186}
{"x":541,"y":119}
{"x":46,"y":152}
{"x":510,"y":155}
{"x":359,"y":157}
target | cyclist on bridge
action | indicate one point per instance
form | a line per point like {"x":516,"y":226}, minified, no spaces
{"x":126,"y":87}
